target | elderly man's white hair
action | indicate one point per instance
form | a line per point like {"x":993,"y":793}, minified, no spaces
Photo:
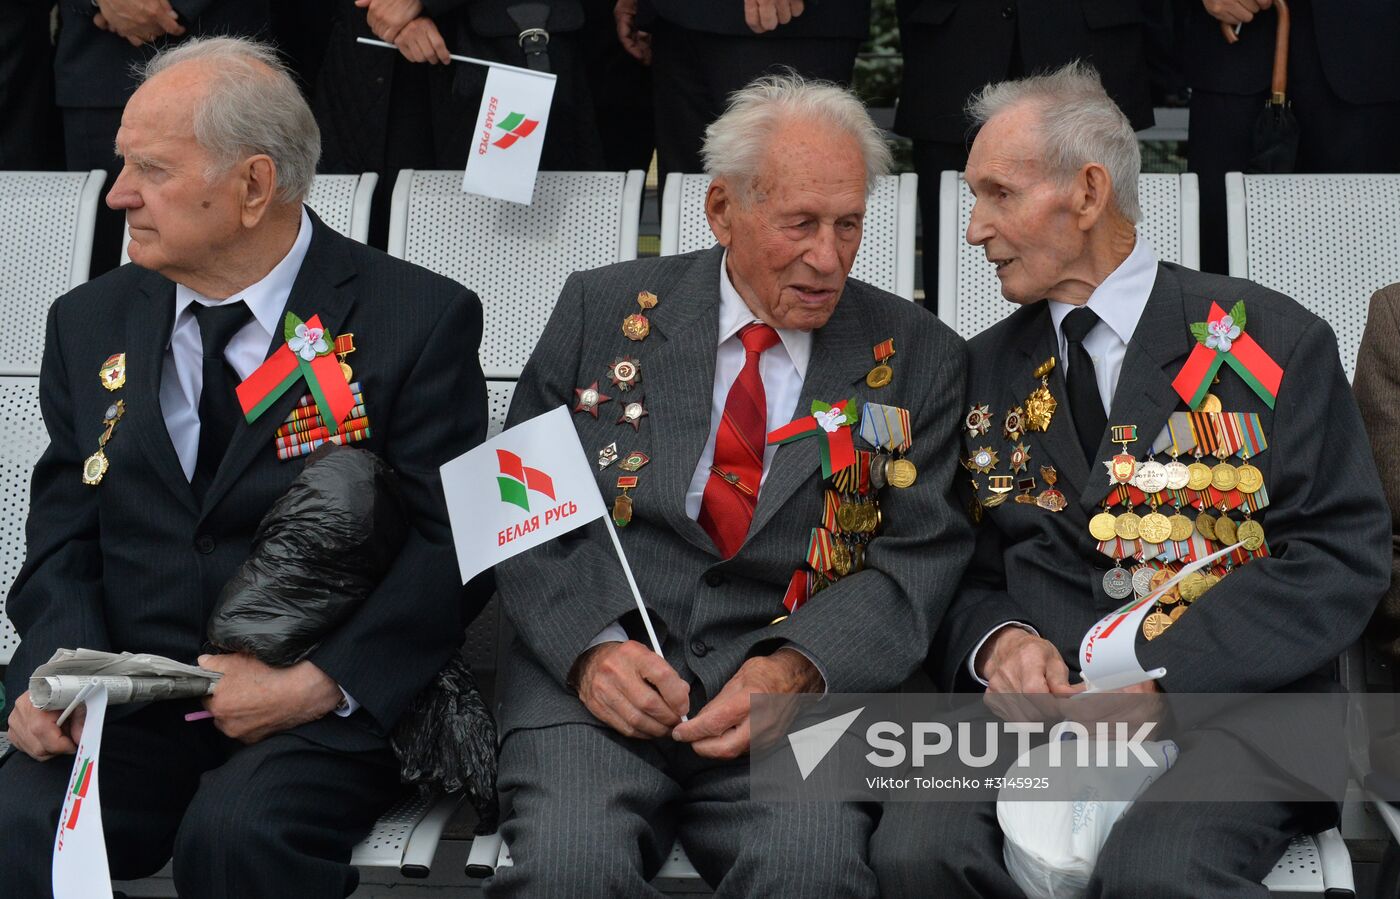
{"x":252,"y":105}
{"x":736,"y":142}
{"x":1079,"y":124}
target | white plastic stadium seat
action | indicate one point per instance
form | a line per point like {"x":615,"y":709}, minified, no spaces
{"x":1310,"y":866}
{"x":1327,"y":241}
{"x":22,"y":440}
{"x":341,"y":201}
{"x":498,"y":396}
{"x":969,"y":295}
{"x":406,"y":837}
{"x":46,"y":222}
{"x":515,"y":257}
{"x":886,"y":257}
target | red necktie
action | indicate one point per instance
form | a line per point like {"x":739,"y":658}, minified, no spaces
{"x":731,"y":493}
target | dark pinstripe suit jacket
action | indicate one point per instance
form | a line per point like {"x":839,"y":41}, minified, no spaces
{"x":1277,"y":623}
{"x":136,"y":564}
{"x":869,"y":631}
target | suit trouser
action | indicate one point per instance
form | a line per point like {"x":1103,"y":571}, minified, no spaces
{"x":1335,"y":137}
{"x":278,"y":818}
{"x":693,"y":74}
{"x":594,"y":813}
{"x":1157,"y":850}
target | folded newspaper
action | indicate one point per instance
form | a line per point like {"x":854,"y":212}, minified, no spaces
{"x":128,"y":677}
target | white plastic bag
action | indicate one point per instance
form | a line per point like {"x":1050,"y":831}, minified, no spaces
{"x":1051,"y":846}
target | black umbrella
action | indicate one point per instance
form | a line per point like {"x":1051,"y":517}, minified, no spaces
{"x":1274,"y":144}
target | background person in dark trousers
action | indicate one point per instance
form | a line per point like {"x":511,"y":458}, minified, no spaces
{"x":954,"y":47}
{"x":29,"y":131}
{"x":1343,"y":81}
{"x":701,"y":52}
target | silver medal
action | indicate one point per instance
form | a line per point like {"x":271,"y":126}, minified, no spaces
{"x":1177,"y":475}
{"x":1151,"y":476}
{"x":1117,"y":583}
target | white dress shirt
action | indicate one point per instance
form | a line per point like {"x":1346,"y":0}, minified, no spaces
{"x":182,"y":376}
{"x":783,"y":367}
{"x":1118,"y":302}
{"x":182,"y":380}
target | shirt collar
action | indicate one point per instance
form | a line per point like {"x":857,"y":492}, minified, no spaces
{"x":268,"y":297}
{"x":1120,"y":299}
{"x":734,"y":313}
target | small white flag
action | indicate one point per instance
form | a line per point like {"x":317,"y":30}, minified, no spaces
{"x":505,"y":153}
{"x":519,"y":489}
{"x":79,"y":848}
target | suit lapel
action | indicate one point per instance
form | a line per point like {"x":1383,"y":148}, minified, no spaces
{"x":148,"y":333}
{"x":1059,"y":445}
{"x":678,"y":383}
{"x":316,"y":291}
{"x":1144,"y":395}
{"x":841,"y":357}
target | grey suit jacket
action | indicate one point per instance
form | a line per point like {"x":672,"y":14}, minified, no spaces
{"x":1377,"y":387}
{"x":867,"y":632}
{"x":1268,"y":625}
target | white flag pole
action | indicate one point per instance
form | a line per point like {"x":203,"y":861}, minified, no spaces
{"x":632,"y":582}
{"x":481,"y":62}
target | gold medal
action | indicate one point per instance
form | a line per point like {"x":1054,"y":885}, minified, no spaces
{"x":646,"y":299}
{"x":1155,"y":527}
{"x":1211,"y":580}
{"x":1101,"y":526}
{"x":1160,"y":577}
{"x":994,"y":500}
{"x":881,"y":375}
{"x":974,"y":509}
{"x":344,"y":346}
{"x":636,"y":326}
{"x":1224,"y":477}
{"x":1170,"y":598}
{"x":848,"y":517}
{"x":1177,"y":612}
{"x":1181,"y":528}
{"x":1250,"y":479}
{"x":94,"y":468}
{"x":1040,"y":405}
{"x":1155,"y":624}
{"x":1198,"y":476}
{"x":902,"y":473}
{"x":1252,"y":533}
{"x":1193,"y":586}
{"x":840,"y":558}
{"x":1225,"y":531}
{"x":1128,"y":526}
{"x":1205,"y":525}
{"x":1209,"y":403}
{"x":622,"y":505}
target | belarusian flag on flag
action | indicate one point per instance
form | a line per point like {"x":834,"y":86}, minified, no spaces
{"x":308,"y":355}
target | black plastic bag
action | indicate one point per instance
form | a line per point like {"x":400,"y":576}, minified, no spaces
{"x":447,"y":737}
{"x":318,"y":553}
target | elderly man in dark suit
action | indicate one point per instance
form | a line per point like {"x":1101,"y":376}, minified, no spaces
{"x":129,"y":550}
{"x":1105,"y":331}
{"x":676,"y":369}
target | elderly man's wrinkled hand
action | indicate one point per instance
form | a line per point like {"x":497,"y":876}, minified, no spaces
{"x":722,"y":729}
{"x":1236,"y":12}
{"x":138,"y":21}
{"x":253,"y":701}
{"x":765,"y":15}
{"x":1014,"y":660}
{"x":632,"y":689}
{"x":38,"y":734}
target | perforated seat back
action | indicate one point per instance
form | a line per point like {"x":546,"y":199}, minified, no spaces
{"x":46,"y":222}
{"x":22,"y":440}
{"x":1170,"y":222}
{"x":515,"y":257}
{"x":1327,"y":241}
{"x":886,"y":244}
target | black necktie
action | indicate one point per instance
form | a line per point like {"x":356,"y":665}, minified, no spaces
{"x":218,"y":404}
{"x":1085,"y":404}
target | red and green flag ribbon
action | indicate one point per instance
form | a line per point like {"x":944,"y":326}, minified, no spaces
{"x":1221,"y":339}
{"x":831,"y":424}
{"x":289,"y":364}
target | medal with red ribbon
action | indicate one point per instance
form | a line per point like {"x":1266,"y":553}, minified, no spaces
{"x":309,"y":355}
{"x":1222,"y":339}
{"x":831,"y":424}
